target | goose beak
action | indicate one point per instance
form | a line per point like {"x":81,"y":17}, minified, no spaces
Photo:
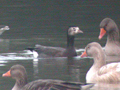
{"x":84,"y":54}
{"x":7,"y":74}
{"x":80,"y":31}
{"x":102,"y":33}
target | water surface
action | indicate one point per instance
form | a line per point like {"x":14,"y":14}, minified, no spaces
{"x":45,"y":22}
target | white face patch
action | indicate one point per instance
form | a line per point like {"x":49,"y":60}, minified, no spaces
{"x":77,"y":30}
{"x":73,"y":30}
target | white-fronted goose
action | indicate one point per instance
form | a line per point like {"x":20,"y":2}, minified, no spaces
{"x":100,"y":72}
{"x":109,"y":27}
{"x":47,"y":51}
{"x":18,"y":73}
{"x":3,"y":28}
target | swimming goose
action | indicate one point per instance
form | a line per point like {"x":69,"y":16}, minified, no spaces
{"x":109,"y":27}
{"x":100,"y":72}
{"x":3,"y":28}
{"x":18,"y":73}
{"x":47,"y":51}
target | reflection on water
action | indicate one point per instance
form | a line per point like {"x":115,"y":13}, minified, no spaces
{"x":103,"y":86}
{"x":4,"y":45}
{"x":35,"y":68}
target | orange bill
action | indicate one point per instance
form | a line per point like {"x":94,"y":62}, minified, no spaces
{"x":7,"y":74}
{"x":84,"y":54}
{"x":102,"y":33}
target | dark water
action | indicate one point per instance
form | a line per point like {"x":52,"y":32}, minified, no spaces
{"x":45,"y":22}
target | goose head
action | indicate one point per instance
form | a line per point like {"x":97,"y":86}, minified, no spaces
{"x":94,"y":50}
{"x":107,"y":25}
{"x":17,"y":72}
{"x":74,"y":30}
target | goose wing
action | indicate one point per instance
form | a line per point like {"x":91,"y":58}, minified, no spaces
{"x":109,"y":73}
{"x":51,"y":51}
{"x":54,"y":85}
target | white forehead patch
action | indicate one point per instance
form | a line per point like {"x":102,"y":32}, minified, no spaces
{"x":73,"y":30}
{"x":77,"y":29}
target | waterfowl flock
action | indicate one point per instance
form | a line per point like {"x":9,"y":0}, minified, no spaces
{"x":100,"y":71}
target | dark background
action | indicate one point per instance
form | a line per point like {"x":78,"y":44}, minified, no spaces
{"x":32,"y":19}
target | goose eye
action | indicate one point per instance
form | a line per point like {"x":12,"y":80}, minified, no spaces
{"x":88,"y":47}
{"x":74,"y":29}
{"x":12,"y":69}
{"x":105,"y":25}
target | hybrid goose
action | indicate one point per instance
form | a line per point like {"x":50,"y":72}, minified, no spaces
{"x":69,"y":51}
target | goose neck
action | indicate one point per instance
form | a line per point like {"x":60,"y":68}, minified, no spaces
{"x":70,"y":41}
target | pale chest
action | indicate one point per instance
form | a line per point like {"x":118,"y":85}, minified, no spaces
{"x":91,"y":76}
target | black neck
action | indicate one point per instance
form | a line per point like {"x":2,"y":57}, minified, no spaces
{"x":70,"y":41}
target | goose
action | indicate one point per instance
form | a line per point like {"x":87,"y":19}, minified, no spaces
{"x":109,"y":27}
{"x":18,"y":72}
{"x":3,"y":28}
{"x":48,"y":51}
{"x":100,"y":72}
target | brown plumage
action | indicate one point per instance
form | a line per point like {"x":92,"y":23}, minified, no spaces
{"x":18,"y":73}
{"x":109,"y":27}
{"x":100,"y":72}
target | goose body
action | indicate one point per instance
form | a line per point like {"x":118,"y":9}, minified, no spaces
{"x":109,"y":27}
{"x":69,"y":51}
{"x":100,"y":72}
{"x":18,"y":73}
